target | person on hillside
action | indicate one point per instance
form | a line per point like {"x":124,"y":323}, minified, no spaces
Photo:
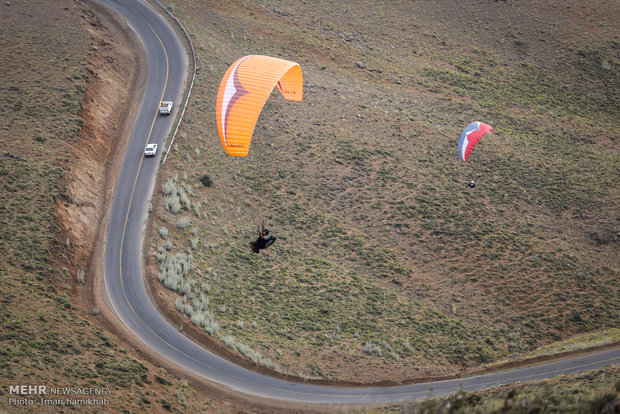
{"x":264,"y":240}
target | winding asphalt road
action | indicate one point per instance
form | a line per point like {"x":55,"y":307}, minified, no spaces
{"x":125,"y":285}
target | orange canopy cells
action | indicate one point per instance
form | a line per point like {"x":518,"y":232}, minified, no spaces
{"x":245,"y":88}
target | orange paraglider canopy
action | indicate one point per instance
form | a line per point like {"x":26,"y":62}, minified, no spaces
{"x":243,"y":92}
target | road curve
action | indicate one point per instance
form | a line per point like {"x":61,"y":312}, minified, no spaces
{"x":125,"y":285}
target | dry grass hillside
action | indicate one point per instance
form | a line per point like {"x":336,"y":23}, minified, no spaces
{"x":387,"y":266}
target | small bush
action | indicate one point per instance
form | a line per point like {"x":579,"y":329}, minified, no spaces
{"x":194,"y":243}
{"x":185,"y":288}
{"x":183,"y":222}
{"x":206,"y":180}
{"x":169,"y":188}
{"x":229,"y":341}
{"x":161,"y":255}
{"x":81,"y":277}
{"x":180,"y":396}
{"x":172,"y":203}
{"x":377,"y":350}
{"x":201,"y":303}
{"x":212,"y":327}
{"x":184,"y":198}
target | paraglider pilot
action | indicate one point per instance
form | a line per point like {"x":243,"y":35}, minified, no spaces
{"x":264,"y":240}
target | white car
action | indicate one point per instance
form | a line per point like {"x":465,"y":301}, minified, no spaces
{"x":150,"y":150}
{"x":165,"y":107}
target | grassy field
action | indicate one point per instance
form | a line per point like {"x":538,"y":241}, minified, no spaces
{"x":387,"y":266}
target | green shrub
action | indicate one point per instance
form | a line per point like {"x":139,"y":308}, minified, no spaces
{"x":206,"y":180}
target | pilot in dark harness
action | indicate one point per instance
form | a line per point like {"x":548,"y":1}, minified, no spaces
{"x":264,"y":240}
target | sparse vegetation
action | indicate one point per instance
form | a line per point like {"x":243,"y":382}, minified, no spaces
{"x":385,"y":259}
{"x":49,"y":335}
{"x":385,"y":262}
{"x":592,"y":392}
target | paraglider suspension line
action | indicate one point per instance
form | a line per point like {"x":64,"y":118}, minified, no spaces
{"x":263,"y":173}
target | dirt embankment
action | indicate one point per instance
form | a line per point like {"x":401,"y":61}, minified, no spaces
{"x":117,"y":68}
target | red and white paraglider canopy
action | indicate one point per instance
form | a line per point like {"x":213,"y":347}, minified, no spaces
{"x":470,"y":137}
